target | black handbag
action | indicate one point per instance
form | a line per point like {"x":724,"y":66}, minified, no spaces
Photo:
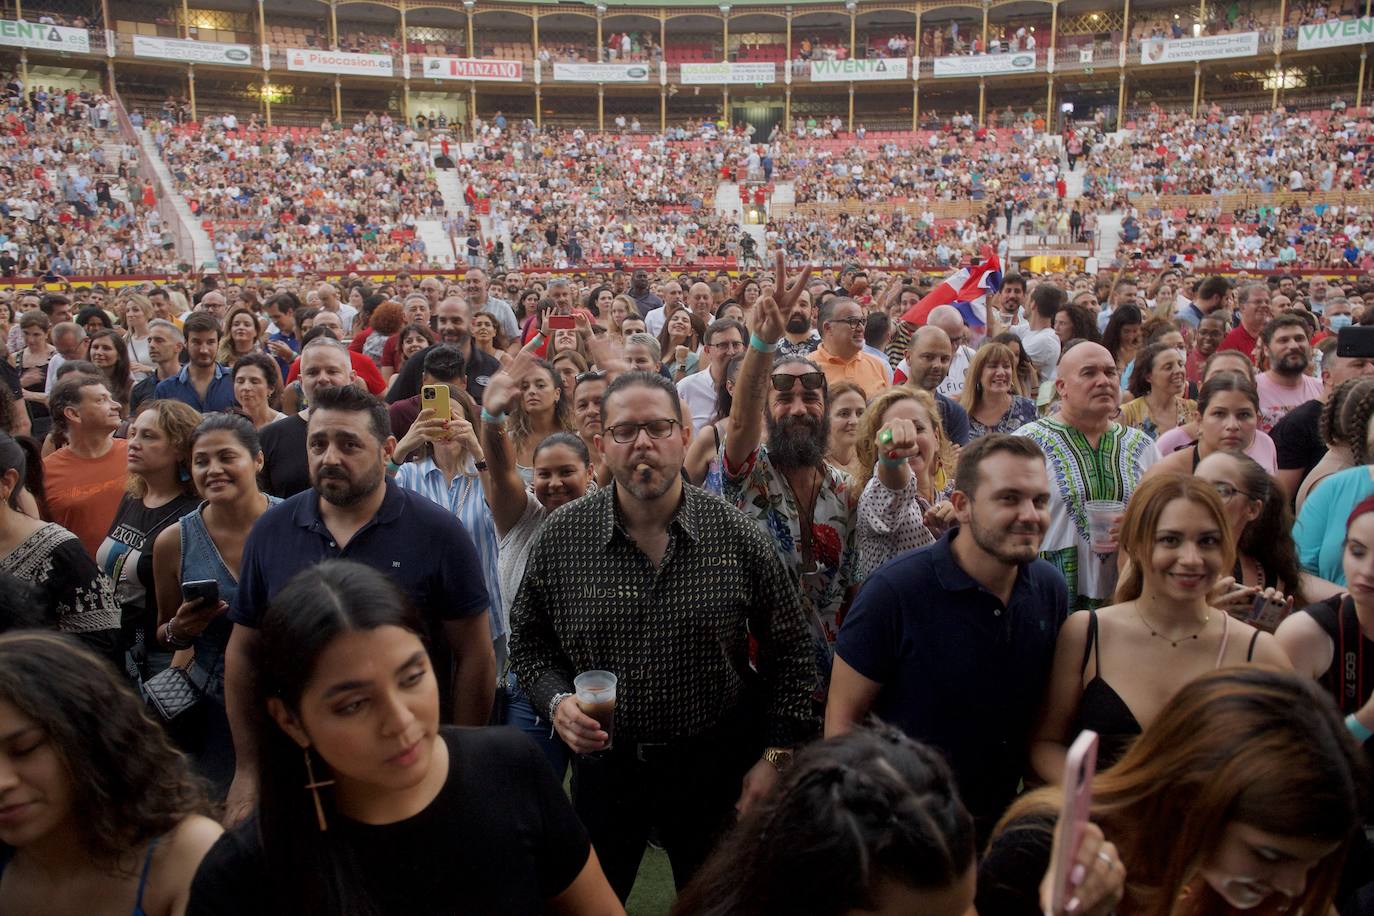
{"x":172,"y":693}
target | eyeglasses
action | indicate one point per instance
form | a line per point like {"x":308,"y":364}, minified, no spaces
{"x":1226,"y":491}
{"x":729,"y":346}
{"x":785,"y":381}
{"x":625,"y":433}
{"x":854,"y":323}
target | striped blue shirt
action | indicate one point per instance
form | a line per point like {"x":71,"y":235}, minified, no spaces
{"x":465,"y":499}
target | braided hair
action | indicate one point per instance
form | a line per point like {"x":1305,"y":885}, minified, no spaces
{"x":852,"y":813}
{"x":1354,"y":419}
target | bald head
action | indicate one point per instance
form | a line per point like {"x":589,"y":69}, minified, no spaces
{"x":1089,"y":384}
{"x":948,"y":319}
{"x":700,"y":300}
{"x":928,"y":357}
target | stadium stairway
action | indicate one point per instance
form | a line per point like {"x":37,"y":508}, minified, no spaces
{"x":202,"y":252}
{"x":1108,"y":235}
{"x":438,"y":247}
{"x":727,"y":200}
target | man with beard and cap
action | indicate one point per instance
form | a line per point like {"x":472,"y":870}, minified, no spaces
{"x":802,"y":503}
{"x":1090,"y":457}
{"x":666,"y":587}
{"x":954,"y":642}
{"x":353,"y":511}
{"x":1286,"y":384}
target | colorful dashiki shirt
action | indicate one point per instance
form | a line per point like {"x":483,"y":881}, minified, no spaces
{"x":1079,"y":474}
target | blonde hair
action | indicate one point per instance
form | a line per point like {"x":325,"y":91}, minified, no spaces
{"x":866,"y":449}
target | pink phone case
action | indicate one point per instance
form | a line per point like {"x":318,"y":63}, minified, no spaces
{"x":1079,"y":768}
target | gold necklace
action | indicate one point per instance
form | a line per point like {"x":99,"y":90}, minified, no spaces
{"x":1173,"y":643}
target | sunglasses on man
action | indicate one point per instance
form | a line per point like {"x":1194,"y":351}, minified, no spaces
{"x":785,"y":382}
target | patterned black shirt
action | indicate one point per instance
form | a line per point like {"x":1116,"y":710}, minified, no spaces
{"x":677,"y":637}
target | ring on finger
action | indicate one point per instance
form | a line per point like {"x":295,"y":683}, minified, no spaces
{"x":1106,"y":858}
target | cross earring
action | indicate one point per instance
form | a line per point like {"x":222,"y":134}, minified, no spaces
{"x":314,"y":786}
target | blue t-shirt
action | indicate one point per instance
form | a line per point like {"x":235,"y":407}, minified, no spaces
{"x":959,"y":669}
{"x":421,"y":547}
{"x":1320,"y":531}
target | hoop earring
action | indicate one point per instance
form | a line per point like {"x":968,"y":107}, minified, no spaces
{"x":314,"y":786}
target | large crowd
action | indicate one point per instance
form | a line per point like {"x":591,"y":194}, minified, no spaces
{"x":71,"y":202}
{"x":827,"y":583}
{"x":568,"y":197}
{"x":305,"y":200}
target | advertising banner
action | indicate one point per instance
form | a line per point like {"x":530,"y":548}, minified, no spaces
{"x":1336,"y":32}
{"x":469,"y":68}
{"x":195,"y":52}
{"x":309,"y":60}
{"x":842,"y":71}
{"x":983,"y":64}
{"x":601,"y":73}
{"x":726,"y":73}
{"x":1210,"y":47}
{"x":21,"y":34}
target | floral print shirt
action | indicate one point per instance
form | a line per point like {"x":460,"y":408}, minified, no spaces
{"x":828,"y":584}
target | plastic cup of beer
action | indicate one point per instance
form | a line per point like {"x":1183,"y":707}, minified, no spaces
{"x":595,"y":692}
{"x":1103,"y":514}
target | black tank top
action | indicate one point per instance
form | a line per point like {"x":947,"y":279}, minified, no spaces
{"x":1350,"y":679}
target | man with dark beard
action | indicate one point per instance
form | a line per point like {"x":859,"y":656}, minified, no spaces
{"x":807,"y":507}
{"x":1286,"y":384}
{"x":664,"y":586}
{"x":355,"y":512}
{"x":451,"y":326}
{"x":800,"y":337}
{"x":954,"y":642}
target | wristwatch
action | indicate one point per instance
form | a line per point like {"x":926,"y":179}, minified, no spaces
{"x":780,"y":757}
{"x":480,"y":465}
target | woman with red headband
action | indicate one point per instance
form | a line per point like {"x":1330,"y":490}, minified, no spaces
{"x":1333,"y":640}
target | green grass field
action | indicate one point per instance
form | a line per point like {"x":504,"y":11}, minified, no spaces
{"x":653,"y":894}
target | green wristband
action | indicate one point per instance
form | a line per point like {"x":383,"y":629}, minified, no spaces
{"x":758,"y":343}
{"x":1357,"y":728}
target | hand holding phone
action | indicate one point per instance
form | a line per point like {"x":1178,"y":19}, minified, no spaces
{"x":204,"y":592}
{"x":562,"y":322}
{"x":1080,"y":765}
{"x":1269,"y":610}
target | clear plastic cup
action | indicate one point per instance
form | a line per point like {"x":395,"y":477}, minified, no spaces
{"x":1103,"y":514}
{"x":595,"y":693}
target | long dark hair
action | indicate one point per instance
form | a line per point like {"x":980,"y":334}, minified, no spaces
{"x":1269,"y":538}
{"x":853,"y":811}
{"x":128,"y":784}
{"x":119,"y":377}
{"x":23,"y":454}
{"x":309,"y":871}
{"x":1123,"y":317}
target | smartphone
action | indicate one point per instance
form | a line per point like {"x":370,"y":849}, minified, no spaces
{"x":1267,"y":613}
{"x":200,"y":591}
{"x":1079,"y":768}
{"x":562,"y":322}
{"x":1355,"y":341}
{"x":435,"y":398}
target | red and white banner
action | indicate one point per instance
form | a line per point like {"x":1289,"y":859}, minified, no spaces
{"x":308,"y":60}
{"x":470,"y":68}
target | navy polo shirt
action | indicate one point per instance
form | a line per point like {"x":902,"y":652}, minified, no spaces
{"x":219,"y":396}
{"x":959,"y":670}
{"x":420,"y":546}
